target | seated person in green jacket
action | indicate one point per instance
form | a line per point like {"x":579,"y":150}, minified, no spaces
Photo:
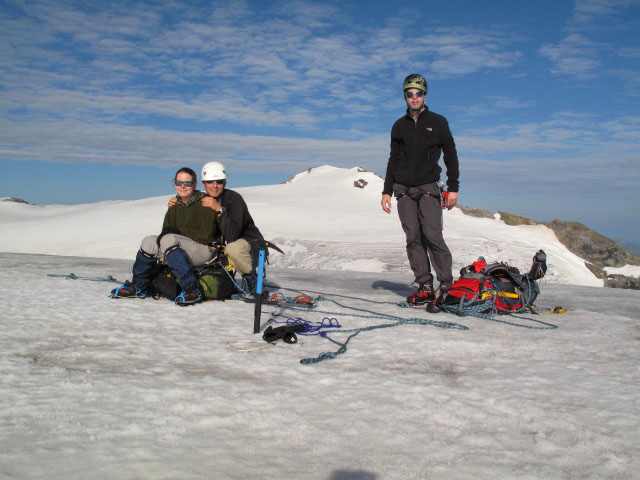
{"x":188,"y":232}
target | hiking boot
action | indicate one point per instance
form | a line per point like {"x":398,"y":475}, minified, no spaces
{"x":424,"y":294}
{"x":128,"y":290}
{"x":444,"y":286}
{"x":188,"y":298}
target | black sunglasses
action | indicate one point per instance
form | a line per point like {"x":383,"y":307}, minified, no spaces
{"x":179,"y":183}
{"x":209,"y":182}
{"x":418,"y":94}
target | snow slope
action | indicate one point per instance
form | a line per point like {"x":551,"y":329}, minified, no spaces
{"x":318,"y":218}
{"x":140,"y":389}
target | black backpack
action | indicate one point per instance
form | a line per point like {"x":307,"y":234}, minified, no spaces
{"x":164,"y":284}
{"x":214,"y":282}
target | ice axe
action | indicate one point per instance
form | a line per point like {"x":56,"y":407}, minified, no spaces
{"x":263,"y":245}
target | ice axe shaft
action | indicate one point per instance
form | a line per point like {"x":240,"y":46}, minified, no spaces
{"x":263,"y":245}
{"x":258,"y":294}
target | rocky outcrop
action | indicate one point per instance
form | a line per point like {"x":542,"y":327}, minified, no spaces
{"x":476,"y":212}
{"x":622,"y":281}
{"x":598,"y":251}
{"x":511,"y":219}
{"x":13,"y":199}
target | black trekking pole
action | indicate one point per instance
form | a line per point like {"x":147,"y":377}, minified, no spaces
{"x":258,"y":295}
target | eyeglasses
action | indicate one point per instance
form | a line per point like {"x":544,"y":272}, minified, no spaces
{"x":418,"y":94}
{"x":179,"y":183}
{"x":209,"y":182}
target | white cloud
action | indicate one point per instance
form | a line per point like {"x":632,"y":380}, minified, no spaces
{"x":575,"y":56}
{"x":589,"y":12}
{"x":66,"y":141}
{"x":290,"y":60}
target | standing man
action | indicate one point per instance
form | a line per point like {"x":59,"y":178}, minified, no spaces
{"x":234,"y":222}
{"x":188,"y":231}
{"x":417,"y":139}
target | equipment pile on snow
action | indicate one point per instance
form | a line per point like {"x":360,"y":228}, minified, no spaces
{"x":484,"y":290}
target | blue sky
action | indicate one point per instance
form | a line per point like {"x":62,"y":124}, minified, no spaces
{"x":105,"y":100}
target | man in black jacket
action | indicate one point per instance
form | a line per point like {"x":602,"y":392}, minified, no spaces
{"x":417,"y":140}
{"x":234,"y":222}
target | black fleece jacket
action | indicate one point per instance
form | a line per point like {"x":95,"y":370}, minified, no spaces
{"x":236,"y":221}
{"x":415,"y":150}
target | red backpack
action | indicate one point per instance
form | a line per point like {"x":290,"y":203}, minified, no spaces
{"x":484,"y":290}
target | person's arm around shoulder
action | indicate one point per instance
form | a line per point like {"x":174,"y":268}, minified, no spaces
{"x":213,"y":204}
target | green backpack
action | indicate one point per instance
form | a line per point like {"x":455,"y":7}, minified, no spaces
{"x":215,"y":282}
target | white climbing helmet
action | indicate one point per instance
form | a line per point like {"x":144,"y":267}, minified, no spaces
{"x":213,"y":171}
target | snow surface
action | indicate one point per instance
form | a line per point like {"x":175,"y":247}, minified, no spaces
{"x":627,"y":270}
{"x":318,"y":218}
{"x":141,"y":389}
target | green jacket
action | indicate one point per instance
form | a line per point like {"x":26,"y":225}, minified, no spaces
{"x":193,"y":220}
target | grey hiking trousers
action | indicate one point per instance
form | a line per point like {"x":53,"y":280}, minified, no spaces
{"x":239,"y":251}
{"x":197,"y":252}
{"x":420,"y":213}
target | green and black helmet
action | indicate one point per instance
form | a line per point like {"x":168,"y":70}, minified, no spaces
{"x":415,"y":80}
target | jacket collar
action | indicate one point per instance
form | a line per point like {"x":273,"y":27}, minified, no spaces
{"x":196,"y":197}
{"x":408,"y":115}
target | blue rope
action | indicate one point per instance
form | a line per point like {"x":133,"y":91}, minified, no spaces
{"x":488,"y":309}
{"x":354,"y":332}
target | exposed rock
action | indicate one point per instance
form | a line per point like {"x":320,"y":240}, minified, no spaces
{"x":13,"y":199}
{"x":476,"y":212}
{"x":512,"y":219}
{"x":597,"y":250}
{"x":622,"y":281}
{"x":360,"y":183}
{"x":601,"y":251}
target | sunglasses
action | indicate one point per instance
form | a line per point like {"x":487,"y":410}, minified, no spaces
{"x":179,"y":183}
{"x":418,"y":94}
{"x":210,"y":182}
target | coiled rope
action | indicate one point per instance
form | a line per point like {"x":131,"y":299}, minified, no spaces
{"x":366,"y":313}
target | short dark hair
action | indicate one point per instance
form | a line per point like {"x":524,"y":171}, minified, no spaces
{"x":188,"y":171}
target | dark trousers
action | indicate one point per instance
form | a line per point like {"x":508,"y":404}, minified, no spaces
{"x":420,"y":213}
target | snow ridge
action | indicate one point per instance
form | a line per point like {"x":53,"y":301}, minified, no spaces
{"x":324,"y":218}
